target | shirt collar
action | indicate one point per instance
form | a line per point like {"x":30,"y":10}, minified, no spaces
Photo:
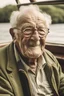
{"x":18,"y":58}
{"x":41,"y":62}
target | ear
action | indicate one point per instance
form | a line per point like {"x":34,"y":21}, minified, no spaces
{"x":12,"y":32}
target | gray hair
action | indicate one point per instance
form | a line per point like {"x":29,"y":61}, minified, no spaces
{"x":16,"y":15}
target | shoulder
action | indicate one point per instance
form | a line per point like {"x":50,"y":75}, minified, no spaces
{"x":3,"y":50}
{"x":4,"y":53}
{"x":50,"y":54}
{"x":51,"y":58}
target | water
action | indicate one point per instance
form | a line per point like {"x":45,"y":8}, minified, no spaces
{"x":56,"y":34}
{"x":4,"y":32}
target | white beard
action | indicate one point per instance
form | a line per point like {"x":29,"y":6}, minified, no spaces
{"x":32,"y":52}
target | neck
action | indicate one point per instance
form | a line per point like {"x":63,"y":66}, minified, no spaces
{"x":33,"y":64}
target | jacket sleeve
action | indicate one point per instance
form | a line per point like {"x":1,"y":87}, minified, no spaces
{"x":61,"y":89}
{"x":60,"y":75}
{"x":5,"y":87}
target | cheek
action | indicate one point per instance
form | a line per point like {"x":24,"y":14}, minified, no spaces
{"x":22,"y":45}
{"x":24,"y":40}
{"x":42,"y":41}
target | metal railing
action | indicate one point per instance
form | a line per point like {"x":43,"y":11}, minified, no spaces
{"x":43,"y":2}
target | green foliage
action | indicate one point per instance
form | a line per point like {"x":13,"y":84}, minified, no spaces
{"x":60,"y":6}
{"x":56,"y":12}
{"x":6,"y":12}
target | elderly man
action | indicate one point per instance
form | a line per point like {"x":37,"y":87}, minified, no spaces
{"x":26,"y":67}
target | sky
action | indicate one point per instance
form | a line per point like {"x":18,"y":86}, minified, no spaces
{"x":6,"y":2}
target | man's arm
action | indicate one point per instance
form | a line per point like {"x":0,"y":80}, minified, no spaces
{"x":5,"y":87}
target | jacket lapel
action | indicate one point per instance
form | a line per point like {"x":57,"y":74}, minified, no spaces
{"x":51,"y":79}
{"x":14,"y":76}
{"x":13,"y":73}
{"x":50,"y":74}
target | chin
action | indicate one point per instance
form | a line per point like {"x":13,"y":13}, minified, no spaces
{"x":33,"y":52}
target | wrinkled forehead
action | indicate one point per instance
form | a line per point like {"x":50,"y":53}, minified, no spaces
{"x":31,"y":18}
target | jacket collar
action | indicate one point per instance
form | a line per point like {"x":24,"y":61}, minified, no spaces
{"x":11,"y":58}
{"x":12,"y":70}
{"x":48,"y":68}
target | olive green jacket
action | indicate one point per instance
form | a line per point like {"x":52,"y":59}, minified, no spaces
{"x":10,"y":84}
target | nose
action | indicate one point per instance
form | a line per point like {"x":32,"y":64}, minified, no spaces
{"x":35,"y":35}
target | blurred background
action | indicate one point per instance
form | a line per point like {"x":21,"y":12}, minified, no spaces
{"x":56,"y":11}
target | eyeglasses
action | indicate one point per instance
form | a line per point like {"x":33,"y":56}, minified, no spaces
{"x":29,"y":31}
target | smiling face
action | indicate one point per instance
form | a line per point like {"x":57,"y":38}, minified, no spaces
{"x":31,"y":37}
